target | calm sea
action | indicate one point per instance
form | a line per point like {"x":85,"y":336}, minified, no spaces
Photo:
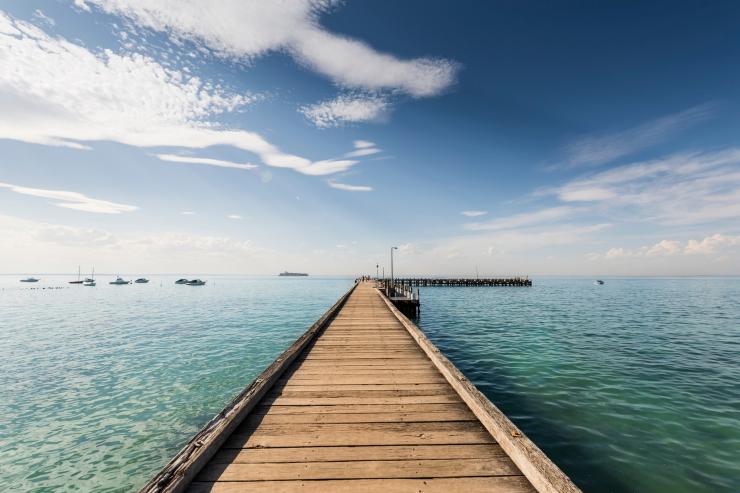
{"x":630,"y":386}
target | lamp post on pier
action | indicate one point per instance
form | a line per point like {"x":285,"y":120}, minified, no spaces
{"x":392,"y":248}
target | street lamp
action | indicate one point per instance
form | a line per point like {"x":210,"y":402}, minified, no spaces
{"x":392,"y":248}
{"x":376,"y":271}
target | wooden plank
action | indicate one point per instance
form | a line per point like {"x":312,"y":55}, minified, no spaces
{"x":360,"y":469}
{"x":264,"y":408}
{"x":351,"y":393}
{"x":324,"y":435}
{"x":333,"y":401}
{"x":379,"y":417}
{"x":377,"y":452}
{"x":310,"y":386}
{"x":495,"y":484}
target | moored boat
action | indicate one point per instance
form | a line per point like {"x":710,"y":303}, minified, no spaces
{"x":119,"y":281}
{"x":598,"y":282}
{"x":141,"y":280}
{"x":182,"y":281}
{"x":79,"y":279}
{"x":195,"y":282}
{"x":90,"y":281}
{"x":30,"y":279}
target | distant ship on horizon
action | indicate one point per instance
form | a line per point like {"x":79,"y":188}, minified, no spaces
{"x":292,"y":274}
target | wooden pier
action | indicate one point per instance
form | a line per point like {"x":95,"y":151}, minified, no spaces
{"x":361,"y":402}
{"x":503,"y":281}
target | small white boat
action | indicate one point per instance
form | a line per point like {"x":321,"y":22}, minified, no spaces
{"x":30,"y":279}
{"x":195,"y":282}
{"x":89,"y":282}
{"x":119,"y":281}
{"x":141,"y":280}
{"x":182,"y":281}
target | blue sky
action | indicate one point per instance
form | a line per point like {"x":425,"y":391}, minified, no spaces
{"x":582,"y":138}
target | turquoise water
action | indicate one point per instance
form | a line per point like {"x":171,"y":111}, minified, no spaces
{"x":633,"y":386}
{"x":99,"y":387}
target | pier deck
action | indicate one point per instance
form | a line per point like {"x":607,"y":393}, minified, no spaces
{"x":359,"y":406}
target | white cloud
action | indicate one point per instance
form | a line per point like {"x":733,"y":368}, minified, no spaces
{"x":524,"y":219}
{"x":235,"y":217}
{"x":363,"y":152}
{"x":667,"y":248}
{"x":363,"y":148}
{"x":174,"y":158}
{"x":327,"y":167}
{"x":39,"y":14}
{"x":246,"y":29}
{"x":408,"y":249}
{"x":664,"y":247}
{"x":73,"y":200}
{"x":596,"y":150}
{"x":474,"y":213}
{"x":679,"y":189}
{"x":346,"y":109}
{"x":350,"y":188}
{"x":130,"y":99}
{"x":711,"y":244}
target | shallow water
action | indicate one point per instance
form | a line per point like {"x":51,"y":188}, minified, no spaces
{"x":630,"y":386}
{"x":101,"y":386}
{"x":633,"y":386}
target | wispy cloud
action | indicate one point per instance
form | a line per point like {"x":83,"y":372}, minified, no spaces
{"x":327,"y":167}
{"x":73,"y":200}
{"x":245,"y":30}
{"x":524,"y":219}
{"x":682,"y":188}
{"x":174,"y":158}
{"x":595,"y":150}
{"x":46,"y":103}
{"x":353,"y":108}
{"x":350,"y":188}
{"x":474,"y":213}
{"x":235,"y":217}
{"x":363,"y":148}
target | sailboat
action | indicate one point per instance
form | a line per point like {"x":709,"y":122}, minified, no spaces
{"x":90,"y":281}
{"x":79,"y":279}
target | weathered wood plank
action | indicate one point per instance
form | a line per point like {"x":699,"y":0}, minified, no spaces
{"x":324,"y":435}
{"x":383,"y":417}
{"x":264,"y":408}
{"x":360,"y":469}
{"x":495,"y":484}
{"x":324,"y":401}
{"x":377,"y":452}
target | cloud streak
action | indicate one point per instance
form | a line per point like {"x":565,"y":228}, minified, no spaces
{"x":174,"y":158}
{"x":73,"y":200}
{"x":596,"y":150}
{"x":350,"y":188}
{"x":524,"y":219}
{"x":685,"y":188}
